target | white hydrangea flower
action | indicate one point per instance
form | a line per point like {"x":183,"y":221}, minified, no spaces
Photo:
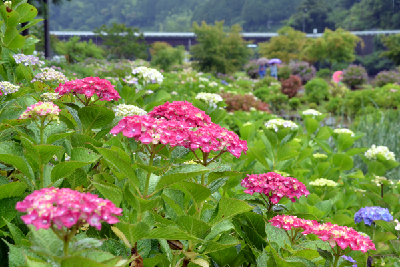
{"x":380,"y":180}
{"x":213,"y":84}
{"x":174,"y":93}
{"x":202,"y":86}
{"x":320,"y":156}
{"x":324,"y":182}
{"x":374,"y":151}
{"x":50,"y":96}
{"x":202,"y":79}
{"x":346,"y":131}
{"x":397,"y":227}
{"x":8,"y":88}
{"x":277,"y":124}
{"x":211,"y":99}
{"x":312,"y":112}
{"x":148,"y":75}
{"x":50,"y":75}
{"x":360,"y":190}
{"x":123,"y":110}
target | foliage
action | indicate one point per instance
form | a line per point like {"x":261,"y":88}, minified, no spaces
{"x":252,"y":69}
{"x":76,"y":51}
{"x":218,"y":51}
{"x":287,"y":46}
{"x":284,"y":72}
{"x":324,"y":73}
{"x":122,"y":40}
{"x":392,"y":43}
{"x":354,"y":75}
{"x":165,"y":56}
{"x":291,"y":86}
{"x":317,"y":90}
{"x":385,"y":77}
{"x":271,"y":94}
{"x":338,"y":89}
{"x":243,"y":102}
{"x":304,"y":70}
{"x":294,"y":103}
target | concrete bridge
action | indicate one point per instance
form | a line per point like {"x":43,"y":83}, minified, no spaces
{"x":188,"y":39}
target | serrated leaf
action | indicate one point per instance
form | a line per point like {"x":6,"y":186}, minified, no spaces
{"x":376,"y":168}
{"x":229,"y":207}
{"x":18,"y":163}
{"x":64,"y":169}
{"x":169,"y":233}
{"x":344,"y":162}
{"x":217,"y":175}
{"x":198,"y":192}
{"x":78,"y":178}
{"x":84,"y":155}
{"x":16,"y":233}
{"x":193,"y":227}
{"x":109,"y":191}
{"x":12,"y":39}
{"x":10,"y":18}
{"x":55,"y":137}
{"x":95,"y":117}
{"x":15,"y":189}
{"x":78,"y":261}
{"x":26,"y":12}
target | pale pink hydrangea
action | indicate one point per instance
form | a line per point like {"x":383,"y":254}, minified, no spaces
{"x":288,"y":222}
{"x":40,"y":110}
{"x":88,"y":87}
{"x":54,"y":207}
{"x":274,"y":186}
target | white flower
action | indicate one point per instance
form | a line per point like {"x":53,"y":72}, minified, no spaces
{"x":211,"y":99}
{"x":380,"y":180}
{"x":123,"y":110}
{"x":374,"y":151}
{"x":50,"y":96}
{"x":346,"y":131}
{"x":50,"y":75}
{"x":312,"y":112}
{"x":277,"y":124}
{"x":202,"y":86}
{"x":323,"y":182}
{"x":28,"y":60}
{"x":360,"y":190}
{"x":201,"y":79}
{"x":320,"y":156}
{"x":213,"y":84}
{"x":147,"y":75}
{"x":8,"y":88}
{"x":174,"y":93}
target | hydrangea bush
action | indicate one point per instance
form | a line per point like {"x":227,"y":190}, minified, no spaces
{"x":303,"y":70}
{"x":354,"y":76}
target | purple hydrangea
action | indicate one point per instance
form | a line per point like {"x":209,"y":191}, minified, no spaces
{"x":27,"y":60}
{"x":370,"y":214}
{"x":303,"y":70}
{"x":385,"y":77}
{"x":350,"y":259}
{"x":354,"y":76}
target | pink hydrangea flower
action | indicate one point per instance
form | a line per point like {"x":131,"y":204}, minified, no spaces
{"x":182,"y":111}
{"x":288,"y":222}
{"x":275,"y":186}
{"x":42,"y":109}
{"x":65,"y":208}
{"x":213,"y":137}
{"x":337,"y":76}
{"x":88,"y":87}
{"x":342,"y":236}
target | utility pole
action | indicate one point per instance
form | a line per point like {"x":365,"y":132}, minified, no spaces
{"x":46,"y":17}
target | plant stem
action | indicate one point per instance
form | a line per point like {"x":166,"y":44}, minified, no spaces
{"x":335,"y":263}
{"x":381,"y":190}
{"x":42,"y":127}
{"x":203,"y":179}
{"x":66,"y":248}
{"x":146,"y":187}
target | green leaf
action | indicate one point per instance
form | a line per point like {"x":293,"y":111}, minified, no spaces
{"x":15,"y":232}
{"x":10,"y":147}
{"x":217,"y":175}
{"x":324,"y":145}
{"x":46,"y":152}
{"x":12,"y":39}
{"x":383,"y":237}
{"x":305,"y":153}
{"x":80,"y":140}
{"x":345,"y":141}
{"x":95,"y":117}
{"x":84,"y":155}
{"x":376,"y":168}
{"x":33,"y":262}
{"x":259,"y":155}
{"x":356,"y":175}
{"x":26,"y":12}
{"x":228,"y":208}
{"x":169,"y":233}
{"x":30,"y":24}
{"x":78,"y":261}
{"x":133,"y":232}
{"x":110,"y":192}
{"x":18,"y":163}
{"x":15,"y":189}
{"x":286,"y":152}
{"x":344,"y":162}
{"x":179,"y":174}
{"x":64,"y":169}
{"x":78,"y":178}
{"x":311,"y":125}
{"x":140,"y":204}
{"x":193,"y":227}
{"x":10,"y":18}
{"x":7,"y":210}
{"x":217,"y":115}
{"x":198,"y":192}
{"x":342,"y":219}
{"x":354,"y":151}
{"x":55,"y":137}
{"x":390,"y":164}
{"x":324,"y":133}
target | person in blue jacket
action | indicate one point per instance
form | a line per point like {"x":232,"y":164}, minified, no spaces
{"x":262,"y":71}
{"x":274,"y":70}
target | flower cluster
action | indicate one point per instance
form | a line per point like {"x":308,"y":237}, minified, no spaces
{"x":8,"y":88}
{"x":147,"y":75}
{"x":312,"y":112}
{"x":342,"y":236}
{"x":370,"y":214}
{"x":344,"y":131}
{"x":42,"y":109}
{"x":50,"y":96}
{"x":337,"y":76}
{"x":380,"y":180}
{"x":183,"y":112}
{"x":374,"y":151}
{"x":209,"y":98}
{"x":275,"y":186}
{"x":50,"y":75}
{"x":303,"y":70}
{"x":350,"y":259}
{"x":213,"y":84}
{"x":323,"y":182}
{"x":320,"y":156}
{"x":123,"y":110}
{"x":202,"y":79}
{"x":288,"y":222}
{"x":397,"y":227}
{"x":27,"y":60}
{"x":66,"y":208}
{"x":277,"y":124}
{"x":213,"y":137}
{"x":90,"y":86}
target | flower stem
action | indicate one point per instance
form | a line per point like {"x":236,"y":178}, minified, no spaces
{"x":146,"y":187}
{"x":42,"y":127}
{"x":66,"y":248}
{"x":335,"y":263}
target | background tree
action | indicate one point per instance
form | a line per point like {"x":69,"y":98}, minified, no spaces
{"x":164,"y":55}
{"x":392,"y":43}
{"x":288,"y":45}
{"x":217,"y":50}
{"x":123,"y":41}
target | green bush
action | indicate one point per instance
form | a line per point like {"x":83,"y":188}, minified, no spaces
{"x":317,"y":90}
{"x":166,"y":56}
{"x":272,"y":95}
{"x":265,"y":82}
{"x":324,"y":73}
{"x":294,"y":102}
{"x":284,"y":72}
{"x":76,"y":51}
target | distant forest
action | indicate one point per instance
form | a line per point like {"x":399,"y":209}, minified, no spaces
{"x":252,"y":15}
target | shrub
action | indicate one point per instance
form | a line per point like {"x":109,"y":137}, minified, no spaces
{"x":272,"y":95}
{"x":313,"y":106}
{"x":166,"y":56}
{"x":243,"y":102}
{"x":324,"y":73}
{"x":294,"y":102}
{"x":317,"y":90}
{"x":291,"y":85}
{"x":303,"y":69}
{"x":386,"y":77}
{"x":251,"y":69}
{"x":354,"y":76}
{"x":338,"y":89}
{"x":284,"y":72}
{"x":266,"y":81}
{"x":76,"y":51}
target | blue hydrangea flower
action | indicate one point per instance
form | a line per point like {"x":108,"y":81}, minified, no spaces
{"x":370,"y":214}
{"x":350,"y":259}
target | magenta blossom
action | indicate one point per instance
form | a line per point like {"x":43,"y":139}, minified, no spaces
{"x":64,"y":207}
{"x":274,"y":186}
